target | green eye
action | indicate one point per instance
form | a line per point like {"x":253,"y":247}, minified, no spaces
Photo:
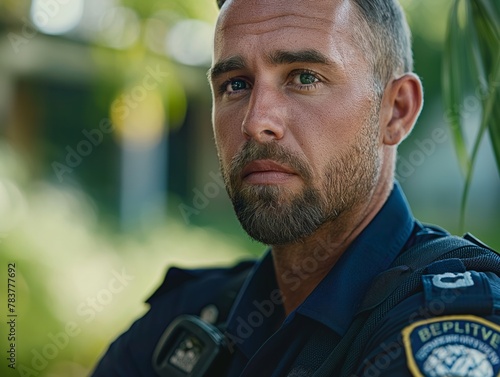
{"x":307,"y":79}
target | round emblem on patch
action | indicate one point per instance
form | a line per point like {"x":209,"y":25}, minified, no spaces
{"x":453,"y":346}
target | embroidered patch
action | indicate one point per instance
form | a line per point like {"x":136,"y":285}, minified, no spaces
{"x":458,"y":346}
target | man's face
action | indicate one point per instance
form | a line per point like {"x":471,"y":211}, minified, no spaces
{"x":295,"y":115}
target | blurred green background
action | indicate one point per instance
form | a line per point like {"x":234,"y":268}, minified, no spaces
{"x":108,"y":173}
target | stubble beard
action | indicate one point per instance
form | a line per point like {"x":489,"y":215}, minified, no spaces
{"x":274,"y":215}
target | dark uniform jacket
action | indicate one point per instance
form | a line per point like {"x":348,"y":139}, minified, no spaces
{"x":414,"y":338}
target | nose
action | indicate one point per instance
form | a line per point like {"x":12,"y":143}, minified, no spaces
{"x":265,"y":117}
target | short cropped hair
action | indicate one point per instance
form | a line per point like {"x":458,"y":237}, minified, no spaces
{"x":384,"y":36}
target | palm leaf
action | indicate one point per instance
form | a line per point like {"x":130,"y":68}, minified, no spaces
{"x":453,"y":84}
{"x":488,"y":23}
{"x":493,"y":126}
{"x":481,"y":44}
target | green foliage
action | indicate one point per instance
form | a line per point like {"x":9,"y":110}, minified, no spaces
{"x":203,"y":10}
{"x":471,"y":66}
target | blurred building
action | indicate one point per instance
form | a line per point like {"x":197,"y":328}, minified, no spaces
{"x":113,"y":100}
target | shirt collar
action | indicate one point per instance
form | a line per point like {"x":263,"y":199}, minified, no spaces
{"x":335,"y":300}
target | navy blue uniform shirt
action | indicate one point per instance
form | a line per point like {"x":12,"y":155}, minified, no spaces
{"x":265,"y":343}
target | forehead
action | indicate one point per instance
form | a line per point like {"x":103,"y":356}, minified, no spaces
{"x":277,"y":23}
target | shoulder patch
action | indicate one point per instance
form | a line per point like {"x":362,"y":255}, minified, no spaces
{"x":459,"y":346}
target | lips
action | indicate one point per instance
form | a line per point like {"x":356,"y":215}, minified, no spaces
{"x":266,"y":172}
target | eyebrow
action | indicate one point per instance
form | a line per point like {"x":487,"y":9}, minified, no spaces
{"x":279,"y":57}
{"x":232,"y":63}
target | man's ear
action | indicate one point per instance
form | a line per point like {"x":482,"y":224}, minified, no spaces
{"x":401,"y":105}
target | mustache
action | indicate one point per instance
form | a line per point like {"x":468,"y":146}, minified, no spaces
{"x":253,"y":150}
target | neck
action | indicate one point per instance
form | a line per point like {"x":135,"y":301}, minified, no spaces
{"x":301,"y":266}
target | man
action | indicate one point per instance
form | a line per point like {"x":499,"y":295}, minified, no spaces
{"x":310,"y":101}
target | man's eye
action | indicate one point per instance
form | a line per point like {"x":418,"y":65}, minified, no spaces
{"x":236,"y":85}
{"x":306,"y":78}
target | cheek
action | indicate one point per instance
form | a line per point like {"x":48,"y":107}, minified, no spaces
{"x":227,"y":134}
{"x":331,"y":124}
